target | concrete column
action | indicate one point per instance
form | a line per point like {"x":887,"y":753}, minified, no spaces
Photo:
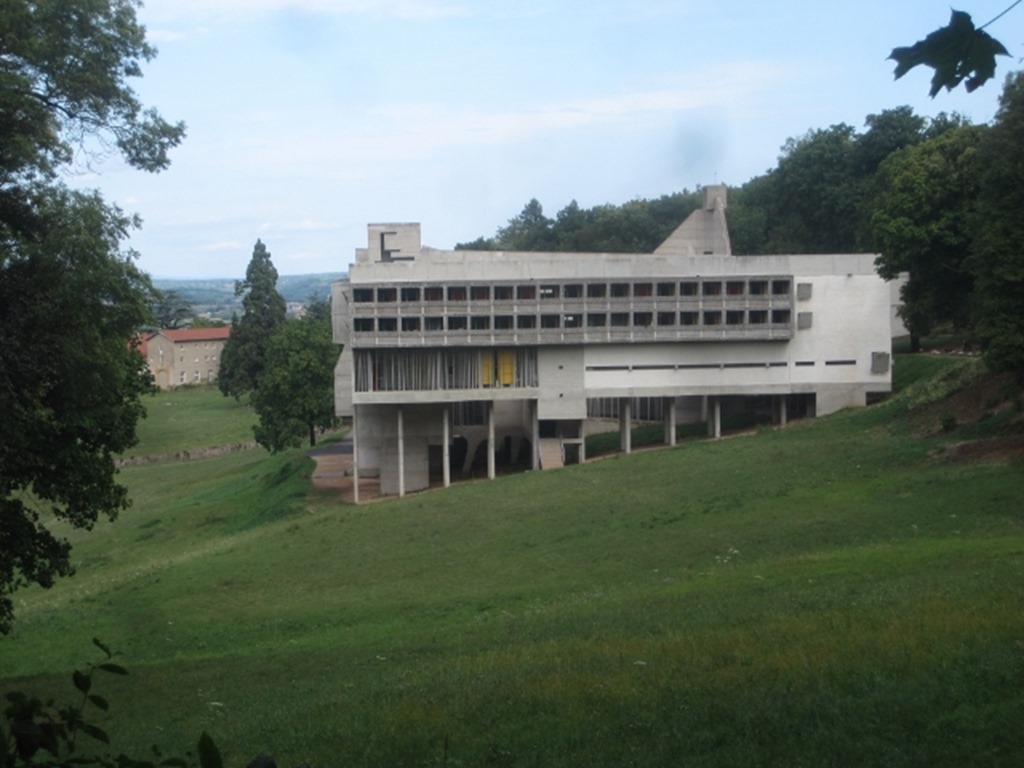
{"x":583,"y":441}
{"x":625,"y":422}
{"x":535,"y":435}
{"x":401,"y":453}
{"x":355,"y":455}
{"x":670,"y":421}
{"x":446,"y":439}
{"x":715,"y":417}
{"x":491,"y":471}
{"x":783,"y":410}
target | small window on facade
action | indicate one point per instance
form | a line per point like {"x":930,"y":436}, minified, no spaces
{"x":666,"y":289}
{"x":362,"y":295}
{"x":734,"y":317}
{"x":574,"y":291}
{"x":619,"y":290}
{"x":780,"y":287}
{"x":433,"y":293}
{"x":387,"y":295}
{"x":410,"y":323}
{"x":480,"y":322}
{"x":362,"y":324}
{"x":458,"y":323}
{"x":758,"y":316}
{"x":758,"y":287}
{"x":643,"y":290}
{"x":596,"y":320}
{"x":503,"y":293}
{"x":666,"y":318}
{"x":643,"y":319}
{"x":196,"y":377}
{"x":572,"y":321}
{"x":712,"y":288}
{"x":387,"y":324}
{"x":712,"y":318}
{"x":549,"y":291}
{"x":527,"y":292}
{"x":688,"y":318}
{"x":780,"y":316}
{"x":526,"y":322}
{"x":480,"y":293}
{"x":734,"y":287}
{"x":688,"y":288}
{"x":550,"y":321}
{"x":433,"y":323}
{"x":410,"y":294}
{"x":620,"y":319}
{"x":503,"y":322}
{"x":456,"y":293}
{"x":596,"y":290}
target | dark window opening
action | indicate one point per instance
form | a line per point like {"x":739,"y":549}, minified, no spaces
{"x":410,"y":294}
{"x":712,"y":318}
{"x":643,"y":290}
{"x":666,"y":318}
{"x":734,"y":317}
{"x":712,"y":289}
{"x":526,"y":291}
{"x":620,"y":319}
{"x":362,"y":295}
{"x":433,"y":293}
{"x":596,"y":320}
{"x":780,"y":287}
{"x":480,"y":293}
{"x":503,"y":293}
{"x":574,"y":291}
{"x":526,"y":321}
{"x":550,"y":321}
{"x":456,"y":293}
{"x":433,"y":323}
{"x":362,"y":324}
{"x":387,"y":324}
{"x":688,"y":318}
{"x":620,"y":290}
{"x":457,"y":323}
{"x":503,"y":322}
{"x":689,"y":288}
{"x":410,"y":323}
{"x":666,"y":289}
{"x":480,"y":322}
{"x":549,"y":291}
{"x":643,"y":319}
{"x":596,"y":290}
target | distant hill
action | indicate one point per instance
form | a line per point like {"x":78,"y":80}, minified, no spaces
{"x":215,"y":297}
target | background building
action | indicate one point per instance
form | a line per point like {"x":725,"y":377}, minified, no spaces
{"x":184,"y":356}
{"x":456,"y":359}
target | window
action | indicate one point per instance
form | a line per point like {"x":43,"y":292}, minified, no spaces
{"x":666,"y":318}
{"x":479,"y":323}
{"x":550,"y":321}
{"x":780,"y":316}
{"x":410,"y":323}
{"x":480,"y":293}
{"x":734,"y":317}
{"x":758,"y":317}
{"x":643,"y":319}
{"x":387,"y":295}
{"x":549,"y":291}
{"x":688,"y":288}
{"x":712,"y":288}
{"x":362,"y":325}
{"x":456,"y":293}
{"x":780,"y":287}
{"x":433,"y":323}
{"x":526,"y":292}
{"x":596,"y":320}
{"x":758,"y":287}
{"x":574,"y":291}
{"x":410,"y":294}
{"x":712,"y":318}
{"x":734,"y":287}
{"x":181,"y":378}
{"x":666,"y":289}
{"x":643,"y":290}
{"x":387,"y":324}
{"x":458,"y":323}
{"x":433,"y":293}
{"x":688,"y":318}
{"x":503,"y":322}
{"x":620,"y":319}
{"x":525,"y":322}
{"x":572,"y":321}
{"x":503,"y":293}
{"x":196,"y":377}
{"x":362,"y":295}
{"x":596,"y":290}
{"x":620,"y":290}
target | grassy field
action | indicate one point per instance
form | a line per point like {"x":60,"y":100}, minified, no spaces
{"x":191,"y":418}
{"x":842,"y":592}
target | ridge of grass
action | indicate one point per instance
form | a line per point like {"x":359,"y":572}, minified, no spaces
{"x":826,"y":594}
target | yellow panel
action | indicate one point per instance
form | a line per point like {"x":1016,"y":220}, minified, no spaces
{"x":487,"y":368}
{"x":507,"y":367}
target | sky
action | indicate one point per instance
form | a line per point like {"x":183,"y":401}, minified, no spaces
{"x":309,"y":119}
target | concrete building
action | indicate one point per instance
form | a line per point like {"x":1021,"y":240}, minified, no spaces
{"x":184,"y":355}
{"x":461,"y":359}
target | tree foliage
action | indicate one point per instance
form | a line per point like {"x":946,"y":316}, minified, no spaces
{"x":958,"y":52}
{"x":71,"y":300}
{"x":296,"y":394}
{"x":171,"y":309}
{"x":244,"y":357}
{"x":922,"y":218}
{"x":997,"y":257}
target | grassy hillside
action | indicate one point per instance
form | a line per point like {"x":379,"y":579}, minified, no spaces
{"x":191,"y":418}
{"x":847,"y":591}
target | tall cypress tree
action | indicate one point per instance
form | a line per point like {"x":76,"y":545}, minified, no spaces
{"x":244,"y":357}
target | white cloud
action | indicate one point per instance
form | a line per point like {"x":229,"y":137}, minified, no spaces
{"x":224,"y":245}
{"x":166,"y":10}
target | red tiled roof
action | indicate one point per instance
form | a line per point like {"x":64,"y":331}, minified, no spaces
{"x":198,"y":334}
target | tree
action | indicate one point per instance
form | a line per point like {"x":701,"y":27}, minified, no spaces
{"x":997,"y":258}
{"x":244,"y":357}
{"x":171,"y":309}
{"x":959,"y":53}
{"x":71,"y":378}
{"x":296,"y":394}
{"x":921,"y":215}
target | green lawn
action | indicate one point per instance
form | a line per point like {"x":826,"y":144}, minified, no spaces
{"x":835,"y":593}
{"x":190,"y":418}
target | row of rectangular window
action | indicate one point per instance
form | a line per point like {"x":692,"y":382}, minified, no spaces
{"x":531,"y":292}
{"x":416,"y":324}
